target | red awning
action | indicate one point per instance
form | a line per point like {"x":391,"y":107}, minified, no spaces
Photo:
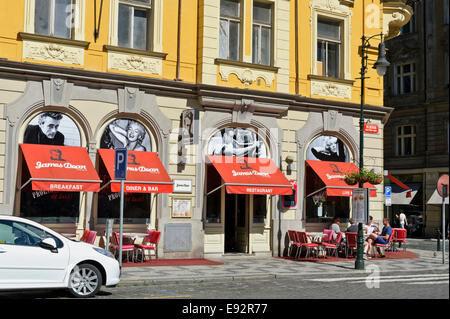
{"x":332,"y":175}
{"x":145,"y":173}
{"x":60,"y":168}
{"x":248,"y":175}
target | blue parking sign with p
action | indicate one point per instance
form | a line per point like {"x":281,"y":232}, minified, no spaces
{"x":120,"y":163}
{"x":387,"y":191}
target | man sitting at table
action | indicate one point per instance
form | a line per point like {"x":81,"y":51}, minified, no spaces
{"x":373,"y":239}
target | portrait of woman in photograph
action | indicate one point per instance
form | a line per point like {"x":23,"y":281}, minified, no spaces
{"x":124,"y":133}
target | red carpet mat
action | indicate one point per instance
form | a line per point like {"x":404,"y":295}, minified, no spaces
{"x":173,"y":262}
{"x":390,"y":255}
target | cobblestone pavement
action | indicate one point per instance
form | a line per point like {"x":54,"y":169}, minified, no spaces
{"x":240,"y":268}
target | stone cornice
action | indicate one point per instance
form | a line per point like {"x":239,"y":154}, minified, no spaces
{"x":267,"y":103}
{"x":395,"y":15}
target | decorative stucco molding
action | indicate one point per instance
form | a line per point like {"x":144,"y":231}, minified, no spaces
{"x":134,"y":63}
{"x":395,"y":15}
{"x":331,"y":89}
{"x":52,"y":52}
{"x":246,"y":75}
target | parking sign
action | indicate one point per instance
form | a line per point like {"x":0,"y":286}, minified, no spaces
{"x":120,"y":163}
{"x":387,"y":191}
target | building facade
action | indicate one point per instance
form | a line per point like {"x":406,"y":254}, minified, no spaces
{"x":269,"y":80}
{"x":416,"y":141}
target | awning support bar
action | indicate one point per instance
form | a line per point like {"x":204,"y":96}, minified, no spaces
{"x":60,"y":180}
{"x":251,"y":185}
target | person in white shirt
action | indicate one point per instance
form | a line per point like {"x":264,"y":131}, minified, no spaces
{"x":369,"y":228}
{"x":402,"y":219}
{"x":335,"y":227}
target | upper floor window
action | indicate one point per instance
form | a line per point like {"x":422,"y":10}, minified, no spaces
{"x":406,"y":140}
{"x":53,"y":18}
{"x":262,"y":34}
{"x":446,"y":13}
{"x":230,"y":29}
{"x":405,"y":78}
{"x":329,"y":42}
{"x":134,"y":24}
{"x":411,"y":26}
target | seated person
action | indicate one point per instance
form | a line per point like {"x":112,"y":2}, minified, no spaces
{"x":369,"y":228}
{"x":373,"y":238}
{"x":335,"y":227}
{"x":353,"y":227}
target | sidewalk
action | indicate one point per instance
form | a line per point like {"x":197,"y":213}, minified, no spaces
{"x":251,"y":267}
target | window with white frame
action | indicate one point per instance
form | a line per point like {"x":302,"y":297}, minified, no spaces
{"x":406,"y":140}
{"x":405,"y":78}
{"x":329,"y":43}
{"x":262,"y":33}
{"x":230,"y":30}
{"x":134,"y":24}
{"x":54,"y":18}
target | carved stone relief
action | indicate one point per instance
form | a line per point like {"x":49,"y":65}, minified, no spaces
{"x":331,"y":89}
{"x":52,"y":52}
{"x":134,"y":63}
{"x":246,"y":75}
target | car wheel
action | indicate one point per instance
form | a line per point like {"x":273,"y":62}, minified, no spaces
{"x":85,"y":281}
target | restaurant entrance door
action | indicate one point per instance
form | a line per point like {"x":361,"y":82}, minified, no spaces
{"x":236,"y":223}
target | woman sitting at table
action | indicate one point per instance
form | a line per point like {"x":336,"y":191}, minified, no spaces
{"x":373,"y":238}
{"x":335,"y":227}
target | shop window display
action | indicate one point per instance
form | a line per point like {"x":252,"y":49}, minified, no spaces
{"x":50,"y":128}
{"x":132,"y":135}
{"x":319,"y":206}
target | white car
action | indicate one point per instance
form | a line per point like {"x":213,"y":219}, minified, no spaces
{"x":33,"y":256}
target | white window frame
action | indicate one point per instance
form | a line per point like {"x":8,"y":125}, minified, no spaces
{"x":261,"y":25}
{"x":329,"y":40}
{"x":156,"y":23}
{"x":343,"y":14}
{"x":140,"y":6}
{"x":77,"y":32}
{"x":238,"y":20}
{"x":400,"y":139}
{"x":412,"y":74}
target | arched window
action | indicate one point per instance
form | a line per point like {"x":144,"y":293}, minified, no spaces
{"x":130,"y":134}
{"x":50,"y":128}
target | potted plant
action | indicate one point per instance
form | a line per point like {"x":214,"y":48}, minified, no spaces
{"x":374,"y":178}
{"x":362,"y":177}
{"x":351,"y":178}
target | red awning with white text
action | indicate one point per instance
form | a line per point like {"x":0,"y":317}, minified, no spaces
{"x":332,"y":175}
{"x":145,"y":173}
{"x":248,"y":175}
{"x":59,"y":168}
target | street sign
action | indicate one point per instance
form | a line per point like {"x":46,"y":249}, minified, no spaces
{"x":443,"y":180}
{"x":387,"y":201}
{"x":387,"y":191}
{"x":360,"y":205}
{"x":120,"y":163}
{"x":371,"y":128}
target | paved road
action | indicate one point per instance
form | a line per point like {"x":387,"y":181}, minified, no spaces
{"x":368,"y":285}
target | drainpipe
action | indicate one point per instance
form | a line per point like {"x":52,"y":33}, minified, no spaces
{"x":296,"y":50}
{"x":177,"y":78}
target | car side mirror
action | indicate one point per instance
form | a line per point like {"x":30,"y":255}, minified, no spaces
{"x":50,"y":244}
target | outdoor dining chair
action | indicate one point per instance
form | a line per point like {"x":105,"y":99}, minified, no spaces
{"x":303,"y":240}
{"x":85,"y":235}
{"x":350,"y":243}
{"x":389,"y":245}
{"x":91,"y":237}
{"x":125,"y":248}
{"x":399,"y":237}
{"x":334,"y":246}
{"x":293,"y":243}
{"x":149,"y":243}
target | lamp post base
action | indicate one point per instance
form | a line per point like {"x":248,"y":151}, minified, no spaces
{"x":359,"y":262}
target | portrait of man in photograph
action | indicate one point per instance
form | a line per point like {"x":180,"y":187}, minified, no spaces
{"x":46,"y":131}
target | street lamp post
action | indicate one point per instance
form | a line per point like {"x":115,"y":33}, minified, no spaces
{"x":381,"y":66}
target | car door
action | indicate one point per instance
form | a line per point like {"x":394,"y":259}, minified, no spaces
{"x":23,"y":263}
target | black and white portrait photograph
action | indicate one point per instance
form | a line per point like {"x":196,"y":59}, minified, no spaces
{"x":237,"y":142}
{"x":126,"y":133}
{"x":52,"y":128}
{"x":327,"y":148}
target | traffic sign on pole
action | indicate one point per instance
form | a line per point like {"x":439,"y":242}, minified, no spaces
{"x":387,"y":191}
{"x":120,"y":172}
